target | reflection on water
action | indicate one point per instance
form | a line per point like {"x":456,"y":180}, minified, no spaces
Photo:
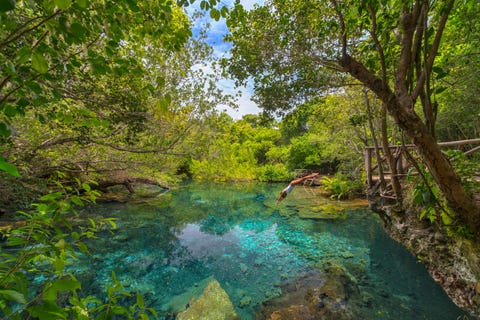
{"x":238,"y":236}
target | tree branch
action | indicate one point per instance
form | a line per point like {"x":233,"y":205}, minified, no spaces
{"x":373,"y":33}
{"x":433,"y":51}
{"x":11,"y":37}
{"x":408,"y":24}
{"x":343,"y":28}
{"x":369,"y":79}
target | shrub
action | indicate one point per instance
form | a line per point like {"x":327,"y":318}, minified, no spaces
{"x":341,"y":187}
{"x":273,"y":173}
{"x":42,"y":246}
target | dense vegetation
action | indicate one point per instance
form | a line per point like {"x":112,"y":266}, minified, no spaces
{"x":94,"y":93}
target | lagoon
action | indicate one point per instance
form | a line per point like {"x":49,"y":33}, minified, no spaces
{"x":168,"y":246}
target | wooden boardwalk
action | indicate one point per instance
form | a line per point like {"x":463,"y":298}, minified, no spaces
{"x":378,"y":172}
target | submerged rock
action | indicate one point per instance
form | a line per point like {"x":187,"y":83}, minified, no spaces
{"x":214,"y":303}
{"x":245,"y":301}
{"x":332,"y":295}
{"x":325,"y":211}
{"x":295,"y":312}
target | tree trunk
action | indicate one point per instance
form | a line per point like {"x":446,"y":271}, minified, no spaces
{"x":397,"y":188}
{"x":128,"y":182}
{"x":441,"y":170}
{"x":400,"y":107}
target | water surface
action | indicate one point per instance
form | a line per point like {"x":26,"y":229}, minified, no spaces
{"x":168,"y":248}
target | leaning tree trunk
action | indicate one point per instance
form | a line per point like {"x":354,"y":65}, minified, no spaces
{"x":399,"y":106}
{"x":440,"y":168}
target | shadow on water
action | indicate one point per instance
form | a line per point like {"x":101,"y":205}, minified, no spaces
{"x":236,"y":234}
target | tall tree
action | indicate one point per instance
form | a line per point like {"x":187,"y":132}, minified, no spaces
{"x":48,"y":47}
{"x":113,"y":82}
{"x":389,"y":46}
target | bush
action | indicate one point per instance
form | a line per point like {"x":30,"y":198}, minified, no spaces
{"x":273,"y":173}
{"x":42,"y":245}
{"x":341,"y":187}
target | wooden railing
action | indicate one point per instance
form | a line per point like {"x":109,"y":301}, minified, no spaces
{"x":402,"y":166}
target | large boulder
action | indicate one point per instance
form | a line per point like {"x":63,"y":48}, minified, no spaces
{"x":213,"y":303}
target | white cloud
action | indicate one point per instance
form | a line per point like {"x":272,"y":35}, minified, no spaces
{"x":215,"y":34}
{"x":248,"y":4}
{"x":243,"y":100}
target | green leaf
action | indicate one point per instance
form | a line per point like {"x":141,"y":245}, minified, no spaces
{"x":52,"y":196}
{"x":82,"y":3}
{"x":441,"y":73}
{"x":164,"y":103}
{"x":140,"y":301}
{"x":60,"y":244}
{"x":7,"y":5}
{"x":75,"y":235}
{"x":16,"y":241}
{"x":47,"y":311}
{"x":215,"y":14}
{"x":78,"y":31}
{"x":82,"y":247}
{"x":4,"y":131}
{"x":8,"y":168}
{"x":439,"y":90}
{"x":112,"y":223}
{"x":63,"y":4}
{"x":13,"y":295}
{"x":39,"y":63}
{"x":61,"y":285}
{"x":224,"y":12}
{"x":10,"y":111}
{"x":77,"y":200}
{"x":10,"y":68}
{"x":59,"y":264}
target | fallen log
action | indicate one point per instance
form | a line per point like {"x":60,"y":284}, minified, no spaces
{"x":128,"y":182}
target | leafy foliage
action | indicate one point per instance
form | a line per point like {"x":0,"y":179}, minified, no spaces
{"x":427,"y":196}
{"x":342,"y":187}
{"x":456,"y":76}
{"x":42,"y":247}
{"x":273,"y":173}
{"x":468,"y":169}
{"x":89,"y":89}
{"x":297,"y":51}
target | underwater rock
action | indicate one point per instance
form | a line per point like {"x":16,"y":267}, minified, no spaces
{"x":329,"y":295}
{"x":245,"y":301}
{"x":243,"y":268}
{"x":347,"y":255}
{"x":180,"y":302}
{"x":295,"y":312}
{"x":240,"y":293}
{"x":325,"y":211}
{"x":214,"y":303}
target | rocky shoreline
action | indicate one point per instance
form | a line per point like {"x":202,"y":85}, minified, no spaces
{"x":453,"y":262}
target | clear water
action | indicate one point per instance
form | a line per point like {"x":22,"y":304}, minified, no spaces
{"x":166,"y":249}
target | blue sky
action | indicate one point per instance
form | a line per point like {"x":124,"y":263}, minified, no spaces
{"x":215,"y":35}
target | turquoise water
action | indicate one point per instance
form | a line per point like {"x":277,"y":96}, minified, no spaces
{"x":166,"y":248}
